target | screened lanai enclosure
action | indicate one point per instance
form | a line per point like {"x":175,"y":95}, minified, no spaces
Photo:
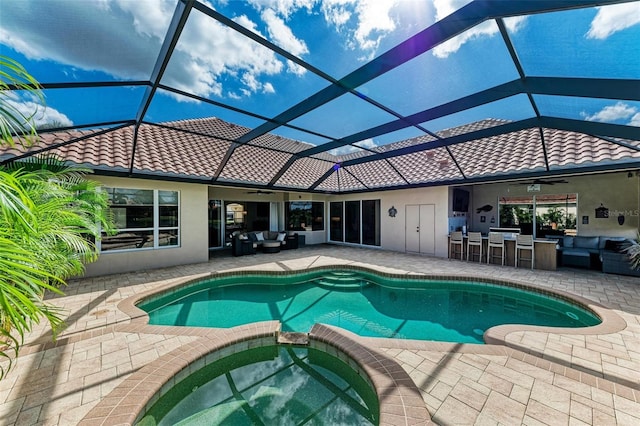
{"x":332,"y":97}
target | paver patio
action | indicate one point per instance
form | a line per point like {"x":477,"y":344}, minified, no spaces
{"x":539,"y":378}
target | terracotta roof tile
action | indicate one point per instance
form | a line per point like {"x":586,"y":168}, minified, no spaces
{"x":280,"y":143}
{"x":376,"y":174}
{"x":211,"y":126}
{"x":341,"y":180}
{"x":516,"y":151}
{"x":304,"y":172}
{"x":426,"y":166}
{"x":567,"y":148}
{"x":189,"y":152}
{"x":405,"y":143}
{"x":109,"y":150}
{"x":253,"y":164}
{"x":471,"y":127}
{"x":179,"y":153}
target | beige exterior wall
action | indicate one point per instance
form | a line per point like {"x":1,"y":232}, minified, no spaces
{"x":193,"y":238}
{"x":616,"y":191}
{"x":393,"y":228}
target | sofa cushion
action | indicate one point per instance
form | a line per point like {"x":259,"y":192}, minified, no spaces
{"x":590,"y":243}
{"x":281,"y":236}
{"x":259,"y":236}
{"x":605,"y":240}
{"x":616,"y":245}
{"x":575,"y":252}
{"x":567,"y":241}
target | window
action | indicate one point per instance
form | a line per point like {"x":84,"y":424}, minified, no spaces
{"x":540,"y":215}
{"x":304,"y":215}
{"x":144,"y":219}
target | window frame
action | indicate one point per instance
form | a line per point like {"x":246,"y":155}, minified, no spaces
{"x":155,"y":230}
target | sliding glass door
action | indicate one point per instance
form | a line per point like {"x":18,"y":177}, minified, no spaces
{"x":356,"y":222}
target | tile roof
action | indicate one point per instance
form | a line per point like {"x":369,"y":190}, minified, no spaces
{"x":196,"y":149}
{"x":304,"y":172}
{"x":516,"y":151}
{"x":253,"y":165}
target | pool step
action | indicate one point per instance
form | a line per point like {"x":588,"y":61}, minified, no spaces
{"x":342,"y":280}
{"x":293,"y":338}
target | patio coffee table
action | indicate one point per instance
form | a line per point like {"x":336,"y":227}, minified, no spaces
{"x":271,"y":246}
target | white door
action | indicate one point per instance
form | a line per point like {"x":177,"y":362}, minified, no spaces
{"x":420,"y":228}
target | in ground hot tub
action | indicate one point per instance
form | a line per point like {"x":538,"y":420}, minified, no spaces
{"x":269,"y":385}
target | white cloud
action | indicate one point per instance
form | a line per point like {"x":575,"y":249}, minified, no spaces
{"x":348,"y":149}
{"x":635,"y":120}
{"x":122,"y":38}
{"x":40,"y":114}
{"x":283,"y":7}
{"x":612,"y":113}
{"x":282,"y":35}
{"x":445,"y":8}
{"x":337,"y":12}
{"x":367,"y":143}
{"x":372,"y":21}
{"x":268,"y":88}
{"x":614,"y":18}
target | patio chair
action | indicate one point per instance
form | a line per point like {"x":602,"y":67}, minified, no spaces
{"x":496,"y":241}
{"x":524,"y":242}
{"x":474,"y":239}
{"x":455,"y":239}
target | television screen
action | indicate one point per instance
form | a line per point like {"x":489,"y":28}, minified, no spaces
{"x":460,"y":200}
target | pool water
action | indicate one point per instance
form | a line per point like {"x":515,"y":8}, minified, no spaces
{"x":365,"y":304}
{"x":273,"y":385}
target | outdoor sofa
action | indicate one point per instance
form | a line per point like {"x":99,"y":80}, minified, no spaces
{"x":593,"y":252}
{"x":270,"y":241}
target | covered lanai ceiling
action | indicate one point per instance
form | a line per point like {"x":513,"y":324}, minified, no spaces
{"x":332,"y":96}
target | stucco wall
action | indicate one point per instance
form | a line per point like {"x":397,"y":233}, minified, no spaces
{"x":617,"y":191}
{"x":393,"y":228}
{"x":193,"y":224}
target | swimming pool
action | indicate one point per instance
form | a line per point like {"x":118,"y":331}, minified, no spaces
{"x":363,"y":302}
{"x":269,"y":385}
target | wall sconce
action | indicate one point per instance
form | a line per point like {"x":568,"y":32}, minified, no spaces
{"x":392,"y":211}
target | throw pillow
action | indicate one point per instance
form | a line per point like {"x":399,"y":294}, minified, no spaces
{"x":281,"y":236}
{"x":611,"y":245}
{"x":259,"y":236}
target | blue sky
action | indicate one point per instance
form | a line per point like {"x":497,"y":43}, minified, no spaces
{"x":92,"y":40}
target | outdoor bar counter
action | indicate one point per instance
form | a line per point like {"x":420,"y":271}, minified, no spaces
{"x":545,"y":250}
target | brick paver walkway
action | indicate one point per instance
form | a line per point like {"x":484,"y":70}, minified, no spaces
{"x":538,"y":378}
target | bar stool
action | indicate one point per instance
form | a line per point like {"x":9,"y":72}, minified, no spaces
{"x":455,"y":239}
{"x":474,"y":239}
{"x":496,"y":240}
{"x":524,"y":242}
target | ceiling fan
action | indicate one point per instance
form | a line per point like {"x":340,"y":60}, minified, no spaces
{"x":542,"y":182}
{"x":260,"y":192}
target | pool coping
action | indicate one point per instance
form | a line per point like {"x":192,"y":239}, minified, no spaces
{"x":400,"y":399}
